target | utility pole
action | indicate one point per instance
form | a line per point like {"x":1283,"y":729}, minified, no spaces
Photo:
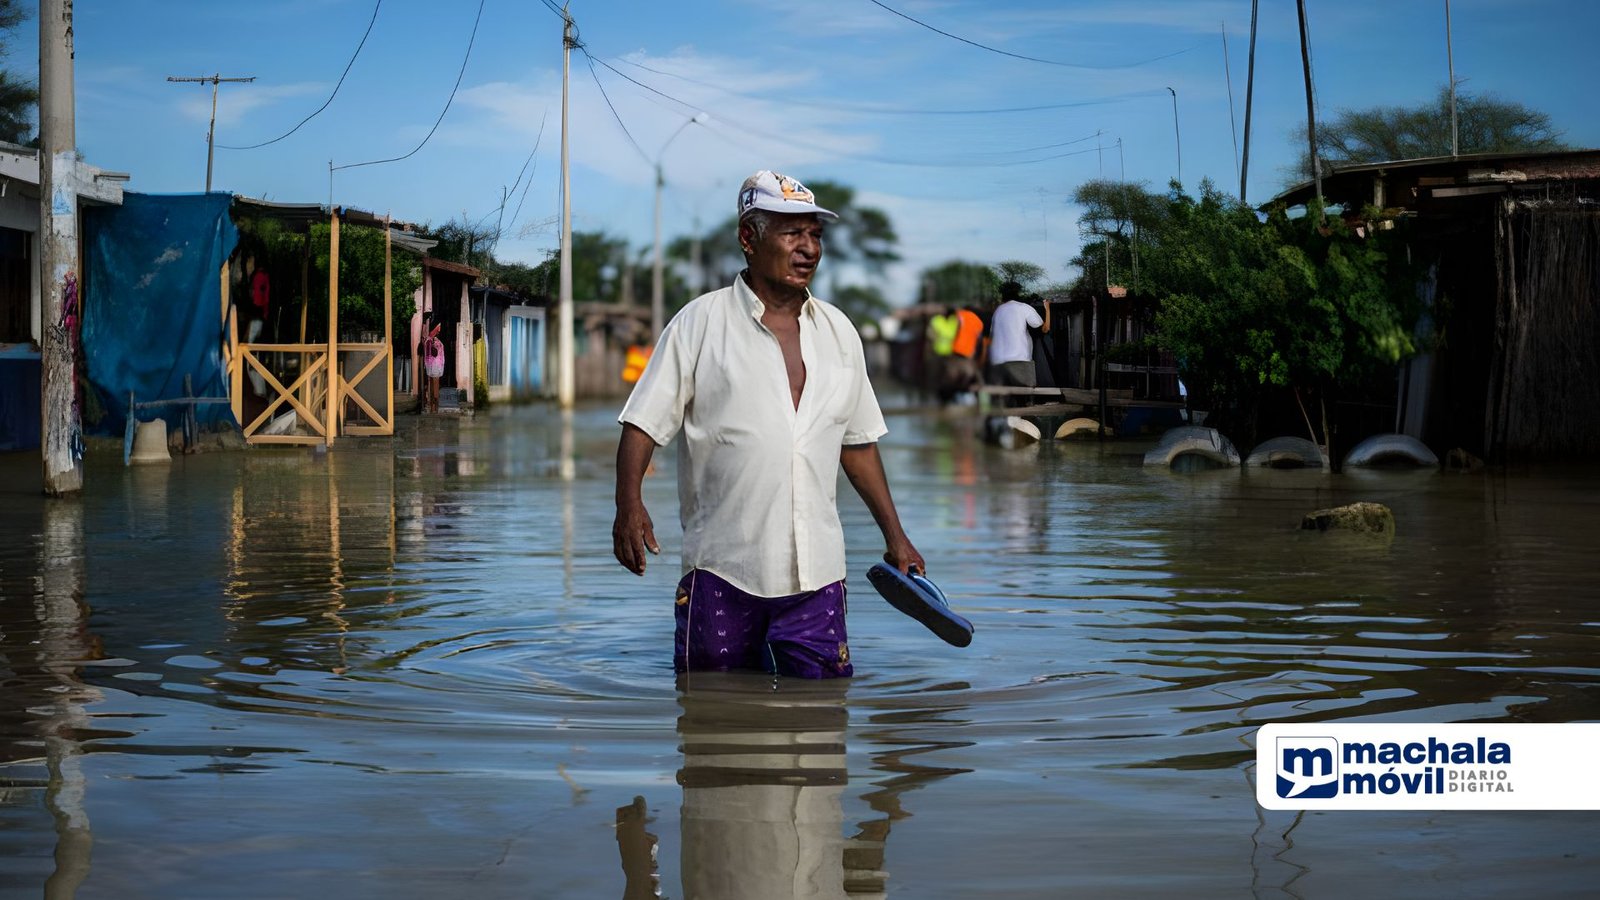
{"x":1227,"y":71}
{"x":1450,"y":56}
{"x":211,"y":130}
{"x":1311,"y":106}
{"x":1249,"y":96}
{"x":1176,"y":133}
{"x":658,"y":315}
{"x":566,"y":372}
{"x":60,"y":426}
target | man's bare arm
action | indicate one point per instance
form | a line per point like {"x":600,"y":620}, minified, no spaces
{"x":864,"y":467}
{"x":632,"y":533}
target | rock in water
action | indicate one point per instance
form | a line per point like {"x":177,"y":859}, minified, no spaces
{"x":1364,"y":518}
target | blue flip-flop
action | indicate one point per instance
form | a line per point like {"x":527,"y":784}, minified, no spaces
{"x":922,"y":600}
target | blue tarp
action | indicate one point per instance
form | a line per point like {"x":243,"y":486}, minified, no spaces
{"x":19,"y":401}
{"x":153,"y":302}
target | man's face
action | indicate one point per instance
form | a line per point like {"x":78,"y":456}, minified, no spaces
{"x":790,"y":250}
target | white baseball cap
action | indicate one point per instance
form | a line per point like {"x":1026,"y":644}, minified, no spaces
{"x":780,"y":194}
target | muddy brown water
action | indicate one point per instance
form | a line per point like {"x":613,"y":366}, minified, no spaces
{"x":411,"y":668}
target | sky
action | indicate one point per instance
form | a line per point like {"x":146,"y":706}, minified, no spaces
{"x":974,"y":153}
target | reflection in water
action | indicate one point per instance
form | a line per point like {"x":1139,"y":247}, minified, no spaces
{"x":763,"y":772}
{"x":400,"y":668}
{"x":63,"y":644}
{"x":44,"y":642}
{"x":763,"y":776}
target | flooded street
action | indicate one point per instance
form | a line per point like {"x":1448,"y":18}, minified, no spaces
{"x":412,"y":668}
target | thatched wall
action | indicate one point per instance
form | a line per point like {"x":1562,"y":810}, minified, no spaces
{"x":1544,"y":378}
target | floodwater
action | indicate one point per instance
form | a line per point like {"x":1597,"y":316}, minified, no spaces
{"x":411,"y":668}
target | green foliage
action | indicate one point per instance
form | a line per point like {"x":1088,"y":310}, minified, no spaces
{"x":1123,"y":220}
{"x":19,"y":98}
{"x":861,"y":303}
{"x":960,"y":283}
{"x":1024,"y":273}
{"x":464,"y":242}
{"x":1247,"y":305}
{"x":361,"y":272}
{"x":1485,"y":124}
{"x":597,"y":262}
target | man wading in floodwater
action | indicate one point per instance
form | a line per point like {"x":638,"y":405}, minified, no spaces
{"x":769,"y":386}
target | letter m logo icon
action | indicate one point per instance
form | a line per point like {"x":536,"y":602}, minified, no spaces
{"x":1307,"y":767}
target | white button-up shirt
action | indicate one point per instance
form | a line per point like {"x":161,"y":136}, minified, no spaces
{"x":1009,"y":340}
{"x":757,"y":477}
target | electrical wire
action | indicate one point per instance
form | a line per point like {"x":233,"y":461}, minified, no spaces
{"x":609,"y":105}
{"x":871,"y":109}
{"x":459,"y":75}
{"x":335,"y":93}
{"x":1048,"y":62}
{"x":536,"y":142}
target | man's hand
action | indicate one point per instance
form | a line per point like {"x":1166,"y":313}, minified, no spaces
{"x":864,"y":467}
{"x":905,"y":557}
{"x":632,"y":532}
{"x":631,"y":535}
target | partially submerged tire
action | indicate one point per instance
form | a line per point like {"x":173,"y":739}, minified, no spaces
{"x":1193,"y":440}
{"x":1287,"y":453}
{"x":1391,"y":450}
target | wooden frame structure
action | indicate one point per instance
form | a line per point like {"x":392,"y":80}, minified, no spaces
{"x":321,"y":396}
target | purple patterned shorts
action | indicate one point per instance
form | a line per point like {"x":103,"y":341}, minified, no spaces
{"x":721,"y":627}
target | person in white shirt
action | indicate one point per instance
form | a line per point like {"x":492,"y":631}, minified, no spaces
{"x":1010,"y":344}
{"x":769,"y":387}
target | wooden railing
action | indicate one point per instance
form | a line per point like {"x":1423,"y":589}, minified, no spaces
{"x":348,"y":390}
{"x":304,"y":394}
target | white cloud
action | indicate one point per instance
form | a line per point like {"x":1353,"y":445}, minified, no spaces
{"x":237,"y":101}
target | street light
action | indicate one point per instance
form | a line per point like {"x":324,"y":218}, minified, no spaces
{"x":1177,"y":134}
{"x":657,"y":301}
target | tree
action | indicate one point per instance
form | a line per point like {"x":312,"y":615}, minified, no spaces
{"x":960,"y":283}
{"x":19,"y":99}
{"x":1248,"y":306}
{"x":361,"y":271}
{"x":1123,"y":219}
{"x":468,"y":243}
{"x":597,"y":262}
{"x":1024,"y":273}
{"x":1485,"y":124}
{"x":861,"y":303}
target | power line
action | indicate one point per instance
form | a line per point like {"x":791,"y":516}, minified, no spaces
{"x":1048,"y":62}
{"x":536,"y":142}
{"x":875,"y":110}
{"x":459,"y":75}
{"x":791,"y":139}
{"x":336,"y":87}
{"x":612,"y":107}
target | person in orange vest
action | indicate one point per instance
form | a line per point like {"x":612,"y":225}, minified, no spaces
{"x":633,"y":364}
{"x":961,"y":369}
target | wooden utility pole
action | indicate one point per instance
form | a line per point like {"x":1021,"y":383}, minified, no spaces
{"x":211,"y":130}
{"x":1450,"y":57}
{"x":61,"y":432}
{"x":1249,"y":97}
{"x":1311,"y":105}
{"x":566,"y":387}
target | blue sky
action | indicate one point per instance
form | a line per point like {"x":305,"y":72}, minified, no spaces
{"x":832,"y":89}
